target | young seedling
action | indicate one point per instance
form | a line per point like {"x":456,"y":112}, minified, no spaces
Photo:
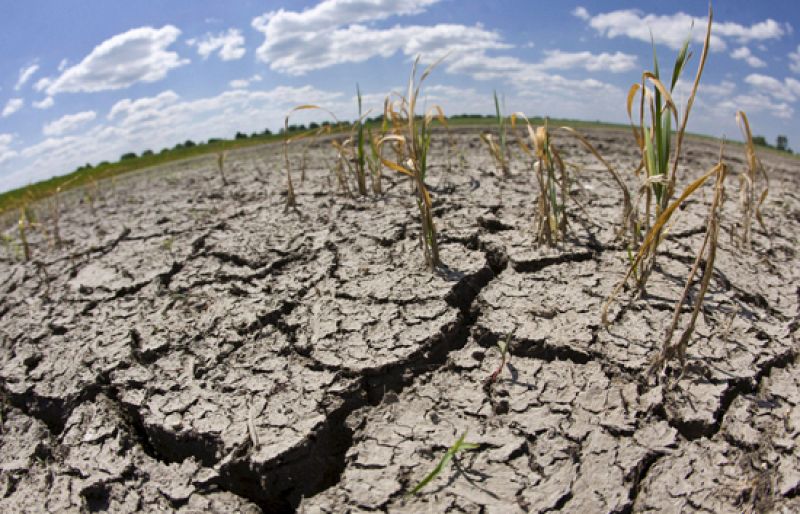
{"x":748,"y":182}
{"x":412,"y":139}
{"x":503,"y":347}
{"x":498,"y":149}
{"x":459,"y":446}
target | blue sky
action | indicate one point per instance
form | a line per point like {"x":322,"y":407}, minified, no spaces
{"x":87,"y":81}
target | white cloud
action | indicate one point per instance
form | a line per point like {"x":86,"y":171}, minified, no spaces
{"x":68,"y":123}
{"x":244,"y":83}
{"x":672,"y":29}
{"x":229,"y":45}
{"x":332,"y":33}
{"x":12,"y":106}
{"x":794,"y":60}
{"x":743,"y":53}
{"x":43,"y":83}
{"x":45,"y":103}
{"x":616,"y":62}
{"x":24,"y":75}
{"x":753,"y":103}
{"x":143,"y":107}
{"x":63,"y":64}
{"x":6,"y":152}
{"x":723,"y":89}
{"x":138,"y":55}
{"x":581,"y":12}
{"x":788,"y":90}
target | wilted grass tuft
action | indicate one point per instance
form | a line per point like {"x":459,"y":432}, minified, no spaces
{"x":499,"y":148}
{"x":654,"y":141}
{"x":459,"y":446}
{"x":361,"y":156}
{"x":552,"y":178}
{"x":291,"y":200}
{"x":748,"y":183}
{"x":411,"y":139}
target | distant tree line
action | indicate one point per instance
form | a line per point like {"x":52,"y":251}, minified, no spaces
{"x":781,"y":143}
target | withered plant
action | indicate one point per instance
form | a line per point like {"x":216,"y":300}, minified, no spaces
{"x":498,"y":148}
{"x":221,"y":167}
{"x":753,"y":179}
{"x":411,"y":138}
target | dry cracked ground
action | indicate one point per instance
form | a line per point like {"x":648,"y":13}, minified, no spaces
{"x":193,"y":347}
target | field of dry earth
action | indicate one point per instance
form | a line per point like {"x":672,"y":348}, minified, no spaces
{"x":193,"y":347}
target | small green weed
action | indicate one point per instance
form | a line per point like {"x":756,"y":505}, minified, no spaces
{"x":459,"y":446}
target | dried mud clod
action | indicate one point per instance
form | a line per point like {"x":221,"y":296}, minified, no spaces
{"x":194,"y":348}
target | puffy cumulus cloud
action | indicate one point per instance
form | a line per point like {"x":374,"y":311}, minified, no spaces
{"x":228,"y":45}
{"x":787,"y":90}
{"x":333,"y":13}
{"x":12,"y":106}
{"x":333,"y":33}
{"x":24,"y":75}
{"x":45,"y":103}
{"x":159,"y":121}
{"x":794,"y":60}
{"x":68,"y":123}
{"x":672,"y":29}
{"x":138,"y":55}
{"x":744,"y":54}
{"x":244,"y":83}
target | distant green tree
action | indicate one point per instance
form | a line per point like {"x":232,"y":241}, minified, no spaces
{"x":782,"y":143}
{"x":760,"y":140}
{"x":146,"y":153}
{"x":267,"y":132}
{"x":240,"y":135}
{"x":214,"y":140}
{"x":189,"y":143}
{"x":127,"y":156}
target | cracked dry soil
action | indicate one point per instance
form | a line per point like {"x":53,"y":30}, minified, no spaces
{"x":194,"y":348}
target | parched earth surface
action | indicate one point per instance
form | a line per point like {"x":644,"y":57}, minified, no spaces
{"x":193,"y":347}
